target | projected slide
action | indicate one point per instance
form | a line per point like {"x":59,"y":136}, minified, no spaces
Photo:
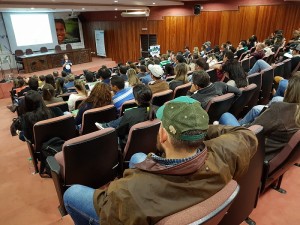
{"x":67,"y":30}
{"x":31,"y":29}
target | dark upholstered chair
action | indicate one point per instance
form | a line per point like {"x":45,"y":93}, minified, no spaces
{"x":19,"y":61}
{"x":43,"y":49}
{"x":247,"y":94}
{"x":142,"y":138}
{"x":65,"y":96}
{"x":182,"y":90}
{"x":91,"y":160}
{"x":270,"y":59}
{"x":297,"y":68}
{"x":246,"y":64}
{"x":279,"y":69}
{"x":62,"y":105}
{"x":243,"y":55}
{"x":78,"y":102}
{"x":249,"y":183}
{"x":266,"y":86}
{"x":161,"y":98}
{"x":208,"y":212}
{"x":252,"y":61}
{"x":275,"y":168}
{"x":103,"y":114}
{"x":170,"y":78}
{"x":69,"y":47}
{"x":287,"y":69}
{"x":255,"y":78}
{"x":62,"y":127}
{"x":213,"y":75}
{"x":57,"y":48}
{"x":219,"y":105}
{"x":28,"y":51}
{"x":127,"y":105}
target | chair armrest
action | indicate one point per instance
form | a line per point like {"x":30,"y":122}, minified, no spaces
{"x":53,"y":164}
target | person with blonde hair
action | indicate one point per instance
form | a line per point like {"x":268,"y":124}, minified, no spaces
{"x":100,"y":96}
{"x":132,"y":78}
{"x":278,"y":129}
{"x":81,"y":94}
{"x":181,"y":71}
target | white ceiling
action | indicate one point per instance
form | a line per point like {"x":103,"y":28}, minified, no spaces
{"x":82,"y":5}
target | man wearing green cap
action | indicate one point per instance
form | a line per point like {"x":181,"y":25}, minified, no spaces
{"x":198,"y":161}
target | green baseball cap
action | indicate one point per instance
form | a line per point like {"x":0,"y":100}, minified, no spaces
{"x":183,"y":114}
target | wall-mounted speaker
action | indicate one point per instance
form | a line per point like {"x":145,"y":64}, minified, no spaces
{"x":197,"y":9}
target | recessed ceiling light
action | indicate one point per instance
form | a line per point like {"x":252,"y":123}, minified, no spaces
{"x":83,"y":8}
{"x":116,"y":9}
{"x":153,"y":3}
{"x":32,"y":8}
{"x":116,"y":1}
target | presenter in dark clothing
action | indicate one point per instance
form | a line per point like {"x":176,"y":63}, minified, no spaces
{"x":67,"y":64}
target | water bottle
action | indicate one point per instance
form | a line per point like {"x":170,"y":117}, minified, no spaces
{"x":31,"y":166}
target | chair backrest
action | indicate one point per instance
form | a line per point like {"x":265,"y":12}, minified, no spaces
{"x":279,"y":69}
{"x":247,"y":94}
{"x":182,"y":90}
{"x":19,"y":52}
{"x":281,"y":162}
{"x":43,"y":49}
{"x":57,"y":48}
{"x":208,"y":212}
{"x":246,"y":64}
{"x":78,"y":101}
{"x":103,"y":114}
{"x":287,"y":70}
{"x":270,"y":58}
{"x":296,"y":69}
{"x":162,"y":97}
{"x":62,"y":105}
{"x":28,"y":51}
{"x":219,"y":105}
{"x":69,"y":47}
{"x":266,"y":86}
{"x":249,"y":183}
{"x":127,"y":105}
{"x":62,"y":127}
{"x":65,"y":96}
{"x":255,"y":78}
{"x":213,"y":75}
{"x":142,"y":138}
{"x":243,"y":55}
{"x":91,"y":159}
{"x":252,"y":61}
{"x":170,"y":78}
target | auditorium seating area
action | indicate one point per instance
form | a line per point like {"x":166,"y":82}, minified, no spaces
{"x":267,"y":193}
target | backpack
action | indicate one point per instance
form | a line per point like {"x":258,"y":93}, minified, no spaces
{"x":49,"y":148}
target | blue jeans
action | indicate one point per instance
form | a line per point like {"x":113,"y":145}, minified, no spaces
{"x":79,"y":203}
{"x":281,"y":87}
{"x":259,"y":66}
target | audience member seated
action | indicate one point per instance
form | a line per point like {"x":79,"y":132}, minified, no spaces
{"x":49,"y":79}
{"x":235,"y":73}
{"x":69,"y":81}
{"x":104,"y":75}
{"x":211,"y":60}
{"x":123,"y":71}
{"x":41,"y":81}
{"x":241,"y":48}
{"x":268,"y":51}
{"x":295,"y":56}
{"x":164,"y":60}
{"x":132,"y":78}
{"x":49,"y":95}
{"x":121,"y":94}
{"x":278,"y":127}
{"x":180,"y":59}
{"x":228,"y":58}
{"x":200,"y":65}
{"x":158,"y":84}
{"x":296,"y":39}
{"x":100,"y":96}
{"x":60,"y":86}
{"x":203,"y":90}
{"x":146,"y":78}
{"x":169,"y":70}
{"x":81,"y":94}
{"x":55,"y":75}
{"x":196,"y":157}
{"x":259,"y":51}
{"x":21,"y":86}
{"x":90,"y":80}
{"x":144,"y":110}
{"x":35,"y":110}
{"x":181,"y":70}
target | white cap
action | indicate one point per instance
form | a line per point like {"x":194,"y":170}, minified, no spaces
{"x":156,"y":70}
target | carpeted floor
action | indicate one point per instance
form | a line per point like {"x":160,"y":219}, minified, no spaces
{"x":28,"y":199}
